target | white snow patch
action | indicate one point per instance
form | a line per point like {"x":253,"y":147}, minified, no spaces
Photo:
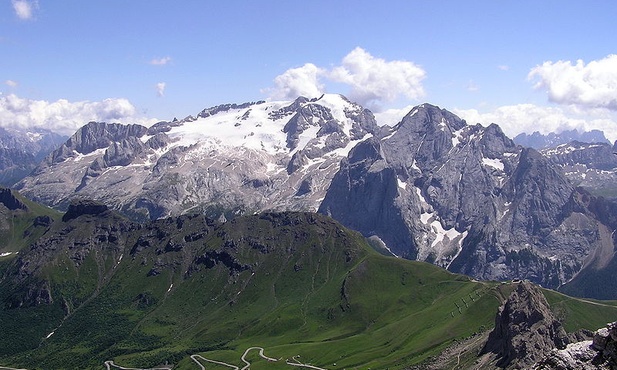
{"x":425,"y":217}
{"x":495,"y":163}
{"x":443,"y":124}
{"x":337,"y":106}
{"x":228,"y":128}
{"x":50,"y":334}
{"x":171,"y":286}
{"x":419,"y":194}
{"x":389,"y":136}
{"x":343,"y":152}
{"x":5,"y":254}
{"x":459,"y":247}
{"x":78,"y":156}
{"x":383,"y":244}
{"x":457,"y":137}
{"x":442,"y":233}
{"x":414,"y":165}
{"x":401,"y":184}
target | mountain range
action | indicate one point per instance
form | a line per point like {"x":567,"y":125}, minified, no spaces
{"x":539,"y":141}
{"x":22,"y":150}
{"x":431,"y":188}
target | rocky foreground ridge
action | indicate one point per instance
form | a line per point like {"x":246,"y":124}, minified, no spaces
{"x":599,"y":353}
{"x":528,"y":335}
{"x":525,"y":330}
{"x":430,"y":188}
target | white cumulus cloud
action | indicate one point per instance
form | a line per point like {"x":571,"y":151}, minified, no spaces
{"x":392,"y":116}
{"x":592,"y":85}
{"x":63,"y":116}
{"x":11,"y":83}
{"x":372,"y":81}
{"x":160,"y":89}
{"x":160,"y":61}
{"x":24,"y":9}
{"x":375,"y":80}
{"x":528,"y":118}
{"x":301,"y":81}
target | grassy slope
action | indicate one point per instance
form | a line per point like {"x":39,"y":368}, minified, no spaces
{"x":304,"y":286}
{"x":21,"y":232}
{"x":578,"y":313}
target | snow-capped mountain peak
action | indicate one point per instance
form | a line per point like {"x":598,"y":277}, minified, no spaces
{"x":257,"y":148}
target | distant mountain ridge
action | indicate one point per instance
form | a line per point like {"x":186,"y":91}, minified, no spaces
{"x":537,"y":140}
{"x":431,"y":188}
{"x":22,"y":150}
{"x":589,"y":165}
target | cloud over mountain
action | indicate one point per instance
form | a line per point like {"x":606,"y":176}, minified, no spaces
{"x":63,"y":116}
{"x":592,"y":85}
{"x":372,"y":81}
{"x":301,"y":81}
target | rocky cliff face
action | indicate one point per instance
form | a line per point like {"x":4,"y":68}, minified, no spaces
{"x":525,"y":329}
{"x":10,"y":201}
{"x":466,"y":198}
{"x":599,"y":353}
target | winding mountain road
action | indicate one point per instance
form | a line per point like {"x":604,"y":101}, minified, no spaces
{"x":247,"y":365}
{"x":110,"y":364}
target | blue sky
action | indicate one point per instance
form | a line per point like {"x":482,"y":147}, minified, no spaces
{"x":526,"y":65}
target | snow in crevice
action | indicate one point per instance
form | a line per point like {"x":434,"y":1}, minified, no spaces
{"x":458,"y":245}
{"x":457,"y":137}
{"x":443,"y":124}
{"x":77,"y":156}
{"x":495,"y":163}
{"x":444,"y":245}
{"x":382,"y":244}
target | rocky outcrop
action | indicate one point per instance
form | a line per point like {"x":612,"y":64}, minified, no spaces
{"x":525,"y":329}
{"x":599,"y":353}
{"x":10,"y":201}
{"x":84,"y":207}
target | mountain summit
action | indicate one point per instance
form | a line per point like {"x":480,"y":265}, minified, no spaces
{"x":430,"y":188}
{"x":237,"y":158}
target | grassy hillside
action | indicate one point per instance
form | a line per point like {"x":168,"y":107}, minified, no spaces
{"x":292,"y":283}
{"x":21,"y":227}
